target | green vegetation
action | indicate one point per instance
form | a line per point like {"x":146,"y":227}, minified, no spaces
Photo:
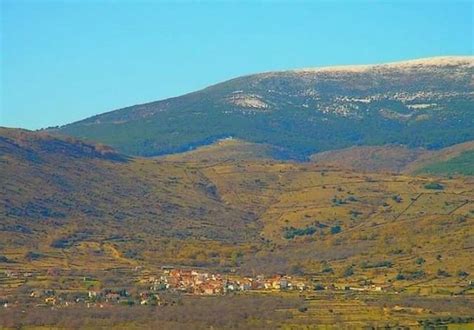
{"x":420,"y":261}
{"x":31,"y":255}
{"x":338,"y":201}
{"x":349,"y":271}
{"x":397,"y":198}
{"x":378,"y":264}
{"x":442,"y":273}
{"x":4,"y":259}
{"x":434,"y":186}
{"x":292,"y":232}
{"x":463,"y":273}
{"x":410,"y":275}
{"x":335,"y":229}
{"x":462,"y":164}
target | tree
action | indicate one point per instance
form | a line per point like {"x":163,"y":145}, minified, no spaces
{"x":235,"y":257}
{"x":335,"y":229}
{"x":297,"y":269}
{"x":434,"y":186}
{"x":420,"y":261}
{"x":349,"y":271}
{"x":463,"y":273}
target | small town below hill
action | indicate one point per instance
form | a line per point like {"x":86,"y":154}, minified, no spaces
{"x":149,"y":287}
{"x":155,"y":294}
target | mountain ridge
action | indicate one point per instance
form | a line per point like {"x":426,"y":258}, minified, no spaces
{"x":302,"y":112}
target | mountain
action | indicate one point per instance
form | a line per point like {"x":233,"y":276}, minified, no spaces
{"x":424,"y":103}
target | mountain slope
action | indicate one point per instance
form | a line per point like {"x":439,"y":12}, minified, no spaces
{"x":227,"y":150}
{"x":389,"y":158}
{"x":456,"y":159}
{"x":61,"y":205}
{"x":55,"y":187}
{"x":422,"y":103}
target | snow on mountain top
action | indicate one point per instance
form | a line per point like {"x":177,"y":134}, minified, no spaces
{"x":430,"y":61}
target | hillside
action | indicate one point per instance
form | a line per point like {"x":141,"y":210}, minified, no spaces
{"x":389,"y":158}
{"x":421,"y":103}
{"x":226,"y":150}
{"x":58,"y":187}
{"x":462,"y":164}
{"x":58,"y":197}
{"x":454,"y":160}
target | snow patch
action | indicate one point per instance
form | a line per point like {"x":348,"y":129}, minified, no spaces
{"x":248,"y":101}
{"x":467,"y":61}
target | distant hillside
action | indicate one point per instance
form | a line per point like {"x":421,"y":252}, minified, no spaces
{"x":462,"y":164}
{"x":64,"y":186}
{"x":421,"y":103}
{"x":73,"y":205}
{"x":371,"y":159}
{"x":228,"y":149}
{"x":39,"y":147}
{"x":457,"y":159}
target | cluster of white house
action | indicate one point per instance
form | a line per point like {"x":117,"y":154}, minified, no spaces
{"x":197,"y":282}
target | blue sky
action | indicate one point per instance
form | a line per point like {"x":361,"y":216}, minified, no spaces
{"x":62,"y":61}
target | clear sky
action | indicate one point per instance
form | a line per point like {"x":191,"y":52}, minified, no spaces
{"x":62,"y":61}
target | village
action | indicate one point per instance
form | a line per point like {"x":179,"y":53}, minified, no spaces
{"x":154,"y":289}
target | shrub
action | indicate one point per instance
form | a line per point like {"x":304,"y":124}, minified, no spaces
{"x":327,"y":269}
{"x":302,"y":309}
{"x":397,"y":198}
{"x":354,"y":213}
{"x":338,"y":201}
{"x":379,"y":264}
{"x":414,"y":275}
{"x":462,"y":273}
{"x":292,"y":232}
{"x":131,"y":254}
{"x":297,"y":270}
{"x":400,"y":277}
{"x":335,"y":229}
{"x":61,"y":243}
{"x":442,"y":273}
{"x":349,"y":271}
{"x":420,"y":261}
{"x":434,"y":186}
{"x":318,"y":287}
{"x":32,"y":255}
{"x":397,"y":251}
